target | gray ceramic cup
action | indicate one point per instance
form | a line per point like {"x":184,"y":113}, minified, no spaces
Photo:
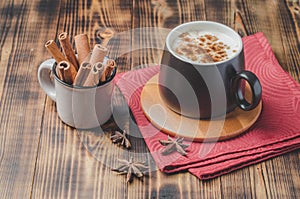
{"x":206,"y":90}
{"x":79,"y":107}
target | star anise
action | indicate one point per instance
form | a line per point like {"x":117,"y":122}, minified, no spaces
{"x":131,"y":168}
{"x":173,"y":145}
{"x":120,"y":138}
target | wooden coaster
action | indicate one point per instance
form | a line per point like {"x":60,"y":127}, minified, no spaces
{"x":166,"y":120}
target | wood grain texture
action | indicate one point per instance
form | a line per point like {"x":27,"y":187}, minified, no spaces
{"x":21,"y":102}
{"x":40,"y":157}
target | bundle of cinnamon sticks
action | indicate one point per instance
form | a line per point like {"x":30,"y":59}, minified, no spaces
{"x":89,"y":67}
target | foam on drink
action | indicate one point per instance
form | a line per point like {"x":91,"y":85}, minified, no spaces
{"x":205,"y":47}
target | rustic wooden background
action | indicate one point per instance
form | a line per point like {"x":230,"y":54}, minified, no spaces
{"x":40,"y":157}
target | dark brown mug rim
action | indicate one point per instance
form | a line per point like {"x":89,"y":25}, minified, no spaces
{"x":241,"y":46}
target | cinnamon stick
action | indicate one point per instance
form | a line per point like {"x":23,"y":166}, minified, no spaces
{"x":54,"y":51}
{"x":83,"y":47}
{"x":66,"y":72}
{"x":82,"y":74}
{"x":98,"y":54}
{"x":60,"y":71}
{"x":108,"y":68}
{"x":67,"y":49}
{"x":93,"y":78}
{"x":106,"y":35}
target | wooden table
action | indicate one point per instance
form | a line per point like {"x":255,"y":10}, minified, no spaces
{"x":40,"y":157}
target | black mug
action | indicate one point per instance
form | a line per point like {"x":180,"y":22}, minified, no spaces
{"x":206,"y":90}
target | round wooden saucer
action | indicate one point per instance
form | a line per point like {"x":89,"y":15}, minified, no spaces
{"x":166,"y":120}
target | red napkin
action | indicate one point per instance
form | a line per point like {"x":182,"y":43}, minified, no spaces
{"x":277,"y":130}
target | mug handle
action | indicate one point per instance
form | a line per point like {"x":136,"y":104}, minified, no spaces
{"x":255,"y":86}
{"x":45,"y":81}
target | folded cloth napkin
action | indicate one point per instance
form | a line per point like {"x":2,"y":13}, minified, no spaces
{"x":277,"y":130}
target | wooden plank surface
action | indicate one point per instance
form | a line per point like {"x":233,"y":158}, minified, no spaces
{"x":21,"y":102}
{"x":40,"y":157}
